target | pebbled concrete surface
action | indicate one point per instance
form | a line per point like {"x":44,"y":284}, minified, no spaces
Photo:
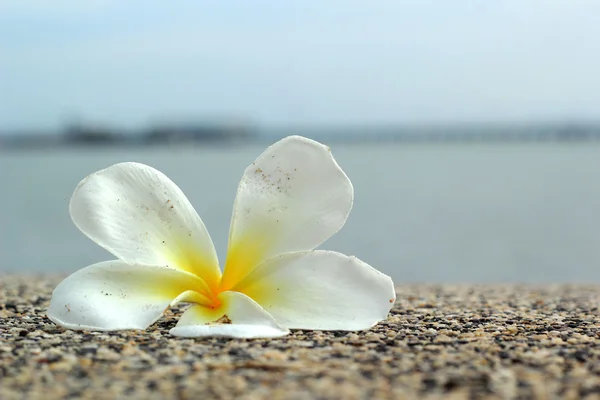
{"x":439,"y":342}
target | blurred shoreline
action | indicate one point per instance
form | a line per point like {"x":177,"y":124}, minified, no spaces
{"x":81,"y":135}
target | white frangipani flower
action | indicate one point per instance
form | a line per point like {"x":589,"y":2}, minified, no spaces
{"x":289,"y":201}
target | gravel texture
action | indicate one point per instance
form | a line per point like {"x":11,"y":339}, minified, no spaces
{"x":439,"y":342}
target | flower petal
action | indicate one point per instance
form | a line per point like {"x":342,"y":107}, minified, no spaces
{"x":292,"y":198}
{"x":237,"y":317}
{"x":321,"y":290}
{"x":112,"y":295}
{"x":139,"y":215}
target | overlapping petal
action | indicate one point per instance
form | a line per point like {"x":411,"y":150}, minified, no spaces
{"x":142,"y":217}
{"x":113,"y":295}
{"x":320,"y":290}
{"x":238,"y":316}
{"x":292,"y":198}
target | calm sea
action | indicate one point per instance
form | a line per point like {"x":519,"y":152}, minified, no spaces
{"x":423,"y":212}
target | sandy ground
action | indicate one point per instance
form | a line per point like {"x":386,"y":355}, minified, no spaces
{"x":439,"y":342}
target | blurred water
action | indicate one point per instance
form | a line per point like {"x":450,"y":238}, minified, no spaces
{"x":423,"y":212}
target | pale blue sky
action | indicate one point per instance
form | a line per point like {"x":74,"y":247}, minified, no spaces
{"x":298,"y":62}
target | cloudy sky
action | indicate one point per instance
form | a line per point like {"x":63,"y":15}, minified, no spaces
{"x":298,"y":62}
